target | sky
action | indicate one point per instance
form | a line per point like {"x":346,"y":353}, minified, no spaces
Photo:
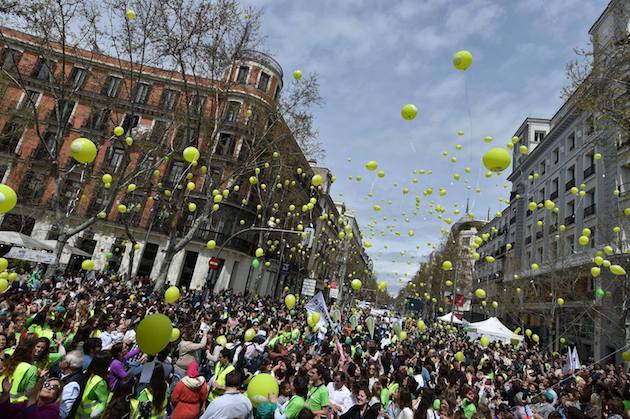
{"x":374,"y":56}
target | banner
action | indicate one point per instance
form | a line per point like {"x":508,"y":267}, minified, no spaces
{"x":318,"y":304}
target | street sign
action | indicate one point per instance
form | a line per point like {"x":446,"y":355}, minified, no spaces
{"x":308,"y":287}
{"x":307,"y":241}
{"x":215,"y":263}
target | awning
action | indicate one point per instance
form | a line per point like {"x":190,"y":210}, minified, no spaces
{"x":52,"y":245}
{"x":15,"y":238}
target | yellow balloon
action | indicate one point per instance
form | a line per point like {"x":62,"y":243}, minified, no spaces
{"x":356,"y":284}
{"x":4,"y":264}
{"x":260,"y":387}
{"x":172,"y":294}
{"x":289,"y":300}
{"x":617,"y":270}
{"x":191,"y":154}
{"x":496,"y":159}
{"x":83,"y":150}
{"x":484,"y":341}
{"x":536,"y":338}
{"x":221,"y":340}
{"x":119,"y":131}
{"x":480,"y":293}
{"x":153,"y":333}
{"x":8,"y":198}
{"x":4,"y":284}
{"x":560,"y":301}
{"x":371,"y":165}
{"x":87,"y":265}
{"x":249,"y":335}
{"x":297,"y":74}
{"x":409,"y":112}
{"x":462,"y":60}
{"x":316,"y":180}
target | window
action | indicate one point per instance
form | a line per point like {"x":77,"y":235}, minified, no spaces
{"x":116,"y":158}
{"x":188,"y":136}
{"x":589,"y":163}
{"x":542,"y":167}
{"x":554,"y":189}
{"x":590,"y":125}
{"x":176,"y":172}
{"x":112,"y":86}
{"x":225,"y":144}
{"x":46,"y":146}
{"x":553,"y":251}
{"x":571,"y":141}
{"x":10,"y":136}
{"x":98,"y":119}
{"x":29,"y":100}
{"x":197,"y":102}
{"x":168,"y":99}
{"x":541,"y":195}
{"x":130,"y":122}
{"x":141,"y":94}
{"x":539,"y":254}
{"x":592,"y":242}
{"x":539,"y":136}
{"x":570,"y":213}
{"x":570,"y":178}
{"x":44,"y":70}
{"x":11,"y":59}
{"x":233,"y":110}
{"x":77,"y":77}
{"x":570,"y":244}
{"x":556,"y":155}
{"x":277,"y":94}
{"x":31,"y":190}
{"x":589,"y":203}
{"x":243,"y":72}
{"x":263,"y":81}
{"x":158,"y":133}
{"x":62,"y":112}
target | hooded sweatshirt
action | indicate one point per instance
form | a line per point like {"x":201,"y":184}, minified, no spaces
{"x":188,"y":397}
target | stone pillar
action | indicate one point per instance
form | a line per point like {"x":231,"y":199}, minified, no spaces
{"x":223,"y":281}
{"x":176,"y":267}
{"x":201,"y":271}
{"x":103,"y":242}
{"x":41,"y":229}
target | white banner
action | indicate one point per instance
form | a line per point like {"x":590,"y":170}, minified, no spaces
{"x":318,"y":304}
{"x":334,"y":293}
{"x":39,"y":256}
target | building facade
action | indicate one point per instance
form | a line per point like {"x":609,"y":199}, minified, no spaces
{"x":102,"y":97}
{"x":570,"y":184}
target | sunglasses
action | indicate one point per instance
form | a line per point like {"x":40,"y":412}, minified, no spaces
{"x":51,"y":386}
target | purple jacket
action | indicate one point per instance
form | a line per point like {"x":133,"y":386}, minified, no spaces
{"x":117,"y":369}
{"x":22,"y":411}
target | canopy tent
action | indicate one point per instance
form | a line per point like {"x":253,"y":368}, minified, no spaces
{"x":493,"y":329}
{"x":451,"y":318}
{"x":15,"y":238}
{"x":52,"y":245}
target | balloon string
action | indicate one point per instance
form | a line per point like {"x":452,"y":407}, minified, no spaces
{"x":472,"y":136}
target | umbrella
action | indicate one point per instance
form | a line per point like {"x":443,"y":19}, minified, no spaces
{"x":52,"y":245}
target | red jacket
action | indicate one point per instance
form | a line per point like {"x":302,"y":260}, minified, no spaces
{"x":188,"y":397}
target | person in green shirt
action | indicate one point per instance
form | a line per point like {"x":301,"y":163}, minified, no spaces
{"x":468,"y":403}
{"x":317,"y":396}
{"x":292,"y":408}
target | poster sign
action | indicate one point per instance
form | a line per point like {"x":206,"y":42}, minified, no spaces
{"x":308,"y":287}
{"x":38,"y":256}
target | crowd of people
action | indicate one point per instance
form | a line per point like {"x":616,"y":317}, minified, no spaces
{"x":68,"y":349}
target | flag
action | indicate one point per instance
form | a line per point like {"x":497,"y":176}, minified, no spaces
{"x":568,"y":368}
{"x":575,"y":359}
{"x":370,"y":325}
{"x":318,"y":304}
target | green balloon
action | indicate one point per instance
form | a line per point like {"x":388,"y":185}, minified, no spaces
{"x":600,"y":293}
{"x":437,"y":404}
{"x":255,"y":263}
{"x":109,"y":255}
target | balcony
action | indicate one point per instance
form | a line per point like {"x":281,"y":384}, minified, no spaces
{"x":589,"y":171}
{"x":569,"y":184}
{"x":569,"y":220}
{"x":240,"y":243}
{"x":553,"y":195}
{"x":590,"y":210}
{"x":553,"y":228}
{"x":539,"y":235}
{"x":528,"y":239}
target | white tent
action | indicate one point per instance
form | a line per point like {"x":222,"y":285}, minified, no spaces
{"x":493,"y":329}
{"x":451,"y":318}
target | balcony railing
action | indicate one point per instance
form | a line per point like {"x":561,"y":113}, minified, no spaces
{"x":569,"y":220}
{"x":539,"y":235}
{"x":569,"y":184}
{"x":528,"y":239}
{"x":553,"y":228}
{"x":553,"y":195}
{"x":590,"y":210}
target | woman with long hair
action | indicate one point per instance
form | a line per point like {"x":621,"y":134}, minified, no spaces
{"x":119,"y":406}
{"x":152,"y":399}
{"x":96,"y":390}
{"x":42,"y":402}
{"x":20,"y":372}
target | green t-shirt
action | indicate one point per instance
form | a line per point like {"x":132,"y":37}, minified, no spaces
{"x":317,"y":397}
{"x":295,"y":406}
